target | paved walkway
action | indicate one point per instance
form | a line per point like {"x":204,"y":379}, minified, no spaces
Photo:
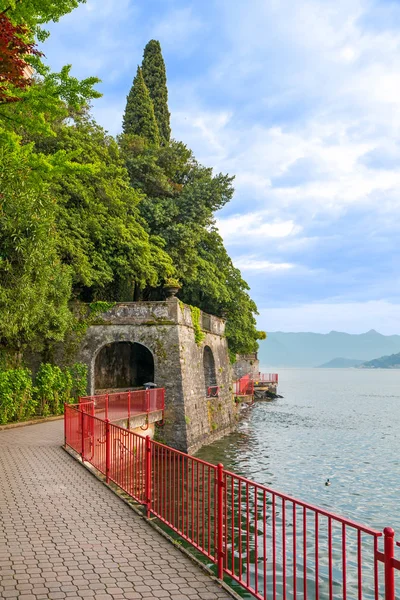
{"x":63,"y":534}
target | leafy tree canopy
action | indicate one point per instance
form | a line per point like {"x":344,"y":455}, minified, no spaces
{"x":102,"y":238}
{"x":34,"y":285}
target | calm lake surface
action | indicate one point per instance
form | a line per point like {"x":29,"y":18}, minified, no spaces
{"x":341,"y":424}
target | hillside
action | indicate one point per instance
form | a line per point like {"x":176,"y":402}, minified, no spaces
{"x":282,"y":349}
{"x":341,"y":363}
{"x":384,"y":362}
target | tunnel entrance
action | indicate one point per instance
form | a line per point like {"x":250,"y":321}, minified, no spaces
{"x":123,"y":366}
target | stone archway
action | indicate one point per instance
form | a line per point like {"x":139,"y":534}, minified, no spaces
{"x":123,"y":365}
{"x":210,"y":376}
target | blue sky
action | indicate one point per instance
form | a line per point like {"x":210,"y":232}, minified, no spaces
{"x":300,"y":99}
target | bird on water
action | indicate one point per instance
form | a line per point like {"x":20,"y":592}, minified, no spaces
{"x":327,"y":482}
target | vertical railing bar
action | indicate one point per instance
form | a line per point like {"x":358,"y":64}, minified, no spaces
{"x":316,"y":557}
{"x":274,"y":544}
{"x":187,"y":460}
{"x":344,"y":566}
{"x":233,"y":526}
{"x":359,"y":561}
{"x":256,"y":536}
{"x":209,"y":512}
{"x":284,"y":548}
{"x":240,"y":529}
{"x":247,"y":536}
{"x":220,"y":517}
{"x":265,"y":543}
{"x":225,"y":522}
{"x":376,"y":581}
{"x":198,"y":504}
{"x":193,"y":537}
{"x":305,"y":553}
{"x":294,"y":553}
{"x":330,"y":558}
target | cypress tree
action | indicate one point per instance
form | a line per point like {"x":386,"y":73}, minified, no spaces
{"x":155,"y":77}
{"x":139,"y":117}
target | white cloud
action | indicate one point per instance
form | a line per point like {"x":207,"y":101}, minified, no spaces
{"x":348,"y":73}
{"x":256,"y":225}
{"x":250,"y":263}
{"x":352,"y":317}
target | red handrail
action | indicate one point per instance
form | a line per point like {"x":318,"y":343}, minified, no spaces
{"x":265,"y":540}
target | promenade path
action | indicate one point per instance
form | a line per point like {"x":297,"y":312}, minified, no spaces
{"x":63,"y":534}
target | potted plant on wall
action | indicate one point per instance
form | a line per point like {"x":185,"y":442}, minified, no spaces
{"x":172,"y":287}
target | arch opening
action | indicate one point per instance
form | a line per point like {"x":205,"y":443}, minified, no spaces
{"x":210,"y":376}
{"x":123,"y":366}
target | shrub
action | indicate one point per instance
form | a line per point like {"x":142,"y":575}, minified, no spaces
{"x":21,"y":400}
{"x":55,"y":387}
{"x":16,"y":399}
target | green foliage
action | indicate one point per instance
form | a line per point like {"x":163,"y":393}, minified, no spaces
{"x":21,"y":398}
{"x":102,"y":237}
{"x":34,"y":285}
{"x":155,"y":78}
{"x":139,"y":118}
{"x":55,"y":387}
{"x":16,"y":399}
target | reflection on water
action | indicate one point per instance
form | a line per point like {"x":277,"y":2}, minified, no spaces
{"x":337,"y":424}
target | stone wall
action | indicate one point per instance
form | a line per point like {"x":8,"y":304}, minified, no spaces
{"x":246,"y":364}
{"x":166,"y":330}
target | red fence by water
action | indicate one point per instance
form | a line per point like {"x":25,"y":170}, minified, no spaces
{"x":267,"y":378}
{"x":124,"y":405}
{"x":273,"y":545}
{"x":245,"y":385}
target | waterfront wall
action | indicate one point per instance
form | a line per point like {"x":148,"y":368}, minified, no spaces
{"x":163,"y":335}
{"x":246,"y":364}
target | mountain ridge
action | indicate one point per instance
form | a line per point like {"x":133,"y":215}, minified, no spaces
{"x":309,"y":349}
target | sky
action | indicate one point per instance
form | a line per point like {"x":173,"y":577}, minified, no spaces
{"x":300,"y":100}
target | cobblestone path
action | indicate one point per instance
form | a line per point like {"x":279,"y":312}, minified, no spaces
{"x":63,"y":534}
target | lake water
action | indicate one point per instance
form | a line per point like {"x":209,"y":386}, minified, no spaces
{"x":341,"y":424}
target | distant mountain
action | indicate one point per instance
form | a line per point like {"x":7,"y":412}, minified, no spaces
{"x":311,"y":349}
{"x":384,"y":362}
{"x":342,"y":363}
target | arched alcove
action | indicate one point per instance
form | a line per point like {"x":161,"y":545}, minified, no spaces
{"x":210,"y":376}
{"x":123,"y":365}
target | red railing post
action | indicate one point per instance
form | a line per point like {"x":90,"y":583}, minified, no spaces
{"x":82,"y":436}
{"x":106,"y":407}
{"x":148,"y":476}
{"x":129,"y":409}
{"x":389,"y":567}
{"x":65,"y":425}
{"x":220,"y":521}
{"x":147,"y":401}
{"x":108,"y":451}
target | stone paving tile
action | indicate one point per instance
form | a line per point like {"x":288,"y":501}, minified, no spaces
{"x":65,"y":535}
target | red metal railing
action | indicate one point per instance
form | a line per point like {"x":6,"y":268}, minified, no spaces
{"x":213,"y":391}
{"x":244,"y":386}
{"x":273,"y":545}
{"x":267,"y":378}
{"x":125,"y":405}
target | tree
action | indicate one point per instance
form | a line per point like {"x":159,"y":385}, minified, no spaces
{"x":102,"y":236}
{"x":13,"y":52}
{"x":155,"y":78}
{"x":139,"y":118}
{"x":34,"y":286}
{"x":34,"y":13}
